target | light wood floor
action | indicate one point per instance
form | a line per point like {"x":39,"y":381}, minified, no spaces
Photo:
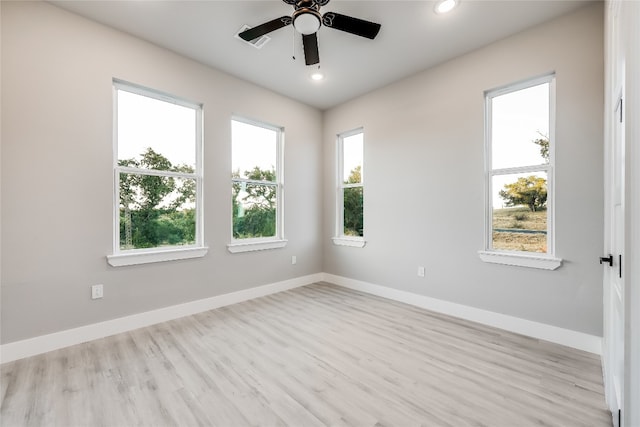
{"x":319,"y":355}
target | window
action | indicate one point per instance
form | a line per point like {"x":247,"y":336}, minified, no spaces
{"x":158,"y":177}
{"x":256,"y":186}
{"x":519,"y":173}
{"x":350,"y":190}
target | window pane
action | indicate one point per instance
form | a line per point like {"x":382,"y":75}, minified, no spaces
{"x":520,"y":212}
{"x":254,"y":210}
{"x":154,"y":134}
{"x":352,"y":158}
{"x":254,"y":151}
{"x":156,"y":211}
{"x":520,"y":128}
{"x":353,"y":211}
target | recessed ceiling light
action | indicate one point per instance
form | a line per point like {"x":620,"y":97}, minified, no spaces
{"x":445,"y":6}
{"x":316,"y":76}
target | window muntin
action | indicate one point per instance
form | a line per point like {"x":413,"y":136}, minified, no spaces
{"x":520,"y":167}
{"x":350,"y":197}
{"x":256,"y":151}
{"x":158,"y":173}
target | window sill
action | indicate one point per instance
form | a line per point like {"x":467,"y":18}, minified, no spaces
{"x":355,"y":242}
{"x":520,"y":260}
{"x":235,"y":248}
{"x":149,"y":256}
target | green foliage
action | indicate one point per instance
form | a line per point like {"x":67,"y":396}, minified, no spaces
{"x":156,"y":228}
{"x":543,"y":143}
{"x":353,"y":212}
{"x":254,"y":204}
{"x":154,"y":209}
{"x":355,"y":176}
{"x":354,"y":205}
{"x":528,"y":191}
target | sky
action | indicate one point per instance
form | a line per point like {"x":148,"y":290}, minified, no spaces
{"x":517,"y":119}
{"x":252,"y":146}
{"x":353,"y":153}
{"x":168,"y":128}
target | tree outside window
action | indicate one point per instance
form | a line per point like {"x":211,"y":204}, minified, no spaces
{"x":157,"y":175}
{"x":350,"y":199}
{"x":255,"y":183}
{"x":521,"y":166}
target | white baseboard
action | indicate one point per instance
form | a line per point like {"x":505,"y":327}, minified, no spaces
{"x":579,"y":340}
{"x":45,"y":343}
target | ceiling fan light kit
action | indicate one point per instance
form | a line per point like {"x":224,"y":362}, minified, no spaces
{"x":307,"y":20}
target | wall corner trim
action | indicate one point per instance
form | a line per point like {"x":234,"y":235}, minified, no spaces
{"x":54,"y":341}
{"x":567,"y":337}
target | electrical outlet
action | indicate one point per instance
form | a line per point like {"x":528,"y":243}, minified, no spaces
{"x":420,"y":271}
{"x":294,"y":260}
{"x":97,"y":291}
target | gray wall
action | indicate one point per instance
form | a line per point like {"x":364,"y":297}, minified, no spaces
{"x":424,"y":177}
{"x":424,"y":180}
{"x":57,"y":185}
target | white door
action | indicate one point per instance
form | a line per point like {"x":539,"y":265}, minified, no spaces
{"x":613,"y":277}
{"x":621,"y":349}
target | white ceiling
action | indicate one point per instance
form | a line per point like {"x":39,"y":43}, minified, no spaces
{"x":412,"y":38}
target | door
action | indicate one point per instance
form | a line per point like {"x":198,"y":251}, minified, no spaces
{"x":622,"y":210}
{"x":613,"y":277}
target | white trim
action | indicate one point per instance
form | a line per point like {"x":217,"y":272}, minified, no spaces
{"x":197,"y":176}
{"x":632,"y":249}
{"x":548,"y":168}
{"x":134,"y":257}
{"x":45,"y":343}
{"x":521,"y":85}
{"x":567,"y":337}
{"x":520,"y":260}
{"x":340,"y":238}
{"x":137,"y":89}
{"x":354,"y":242}
{"x":278,"y":240}
{"x":239,"y":246}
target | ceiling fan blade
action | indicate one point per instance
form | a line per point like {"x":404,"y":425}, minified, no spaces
{"x":267,"y":27}
{"x":310,"y":45}
{"x":351,"y":25}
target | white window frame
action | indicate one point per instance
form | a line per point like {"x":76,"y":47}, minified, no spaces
{"x":123,"y":257}
{"x":339,"y":237}
{"x":272,"y":242}
{"x":547,"y":261}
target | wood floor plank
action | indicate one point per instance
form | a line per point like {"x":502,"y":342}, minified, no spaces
{"x":319,"y":355}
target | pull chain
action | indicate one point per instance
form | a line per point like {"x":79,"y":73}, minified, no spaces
{"x":293,"y":44}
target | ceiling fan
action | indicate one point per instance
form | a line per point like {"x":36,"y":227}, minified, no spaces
{"x":307,"y":20}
